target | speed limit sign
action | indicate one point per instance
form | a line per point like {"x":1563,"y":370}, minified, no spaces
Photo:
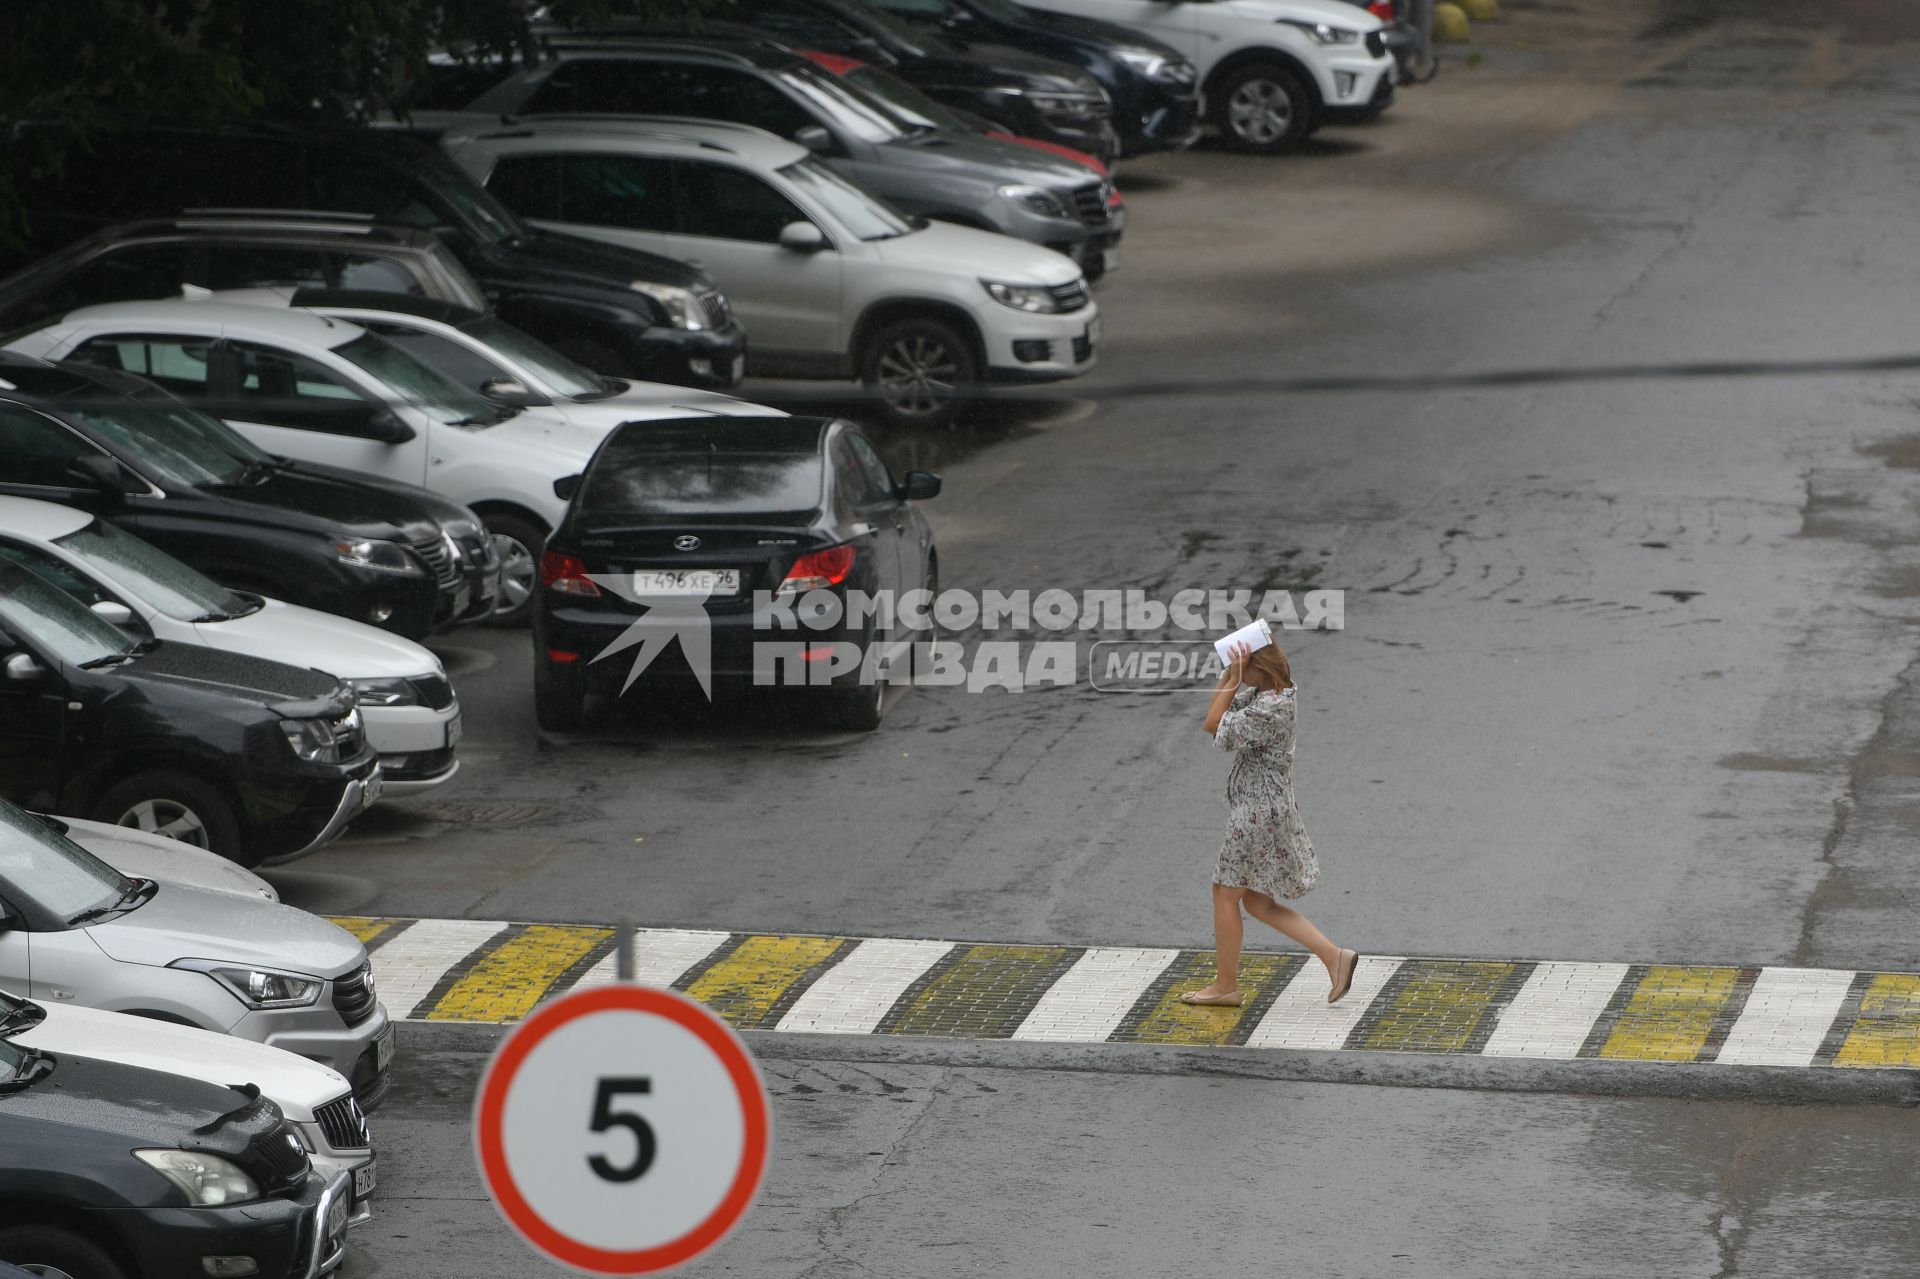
{"x":622,"y":1130}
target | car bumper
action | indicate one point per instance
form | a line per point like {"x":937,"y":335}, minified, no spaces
{"x":1043,"y":348}
{"x":1171,"y":124}
{"x":353,"y":1165}
{"x":318,"y":1034}
{"x":292,"y":813}
{"x":1355,"y":86}
{"x":712,"y":359}
{"x":417,"y":746}
{"x":301,"y":1237}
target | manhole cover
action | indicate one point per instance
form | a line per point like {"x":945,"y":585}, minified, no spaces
{"x":498,"y":813}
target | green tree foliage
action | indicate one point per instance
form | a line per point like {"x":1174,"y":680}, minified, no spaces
{"x":84,"y":66}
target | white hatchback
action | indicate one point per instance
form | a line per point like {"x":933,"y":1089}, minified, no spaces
{"x":831,"y":281}
{"x":316,"y":389}
{"x":406,"y":701}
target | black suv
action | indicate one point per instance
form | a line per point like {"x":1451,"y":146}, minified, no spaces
{"x":1035,"y":97}
{"x":1154,"y":91}
{"x":616,"y":310}
{"x":269,"y":761}
{"x":388,"y":554}
{"x":117,"y":1172}
{"x":141,"y":261}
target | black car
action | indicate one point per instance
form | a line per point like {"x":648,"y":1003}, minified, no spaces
{"x":789,"y":509}
{"x":388,"y":554}
{"x":118,"y":1172}
{"x":1035,"y":97}
{"x":140,"y":261}
{"x":1154,"y":91}
{"x":264,"y":760}
{"x":616,"y":310}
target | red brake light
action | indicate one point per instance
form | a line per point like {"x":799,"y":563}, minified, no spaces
{"x":817,"y":569}
{"x":1383,"y":10}
{"x":566,"y":574}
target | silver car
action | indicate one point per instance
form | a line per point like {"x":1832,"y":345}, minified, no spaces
{"x":76,"y":931}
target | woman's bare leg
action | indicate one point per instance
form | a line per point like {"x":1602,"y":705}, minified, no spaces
{"x":1295,"y":925}
{"x":1227,"y":935}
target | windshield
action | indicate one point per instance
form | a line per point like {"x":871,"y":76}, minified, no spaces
{"x":172,"y":441}
{"x":60,"y":626}
{"x":51,"y":871}
{"x":153,"y":576}
{"x":906,"y":103}
{"x":419,"y":384}
{"x":560,"y":375}
{"x":472,"y":203}
{"x":863,"y":116}
{"x":865,"y":215}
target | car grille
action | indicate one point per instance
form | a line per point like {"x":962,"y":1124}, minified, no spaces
{"x":349,"y":735}
{"x":437,"y":552}
{"x":344,"y":1124}
{"x":1070,"y":296}
{"x":435,"y":691}
{"x":353,"y":996}
{"x":1090,"y":202}
{"x":284,"y":1152}
{"x":719,"y":310}
{"x":1082,"y":349}
{"x":1376,"y":44}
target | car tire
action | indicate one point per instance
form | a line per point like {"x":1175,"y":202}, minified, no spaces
{"x":54,"y":1252}
{"x":559,"y":705}
{"x":519,"y":542}
{"x":1262,"y":107}
{"x":918,"y":370}
{"x":179,"y":806}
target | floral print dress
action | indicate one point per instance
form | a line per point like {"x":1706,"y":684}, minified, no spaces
{"x":1266,"y":848}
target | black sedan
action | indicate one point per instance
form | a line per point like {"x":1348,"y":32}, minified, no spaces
{"x":753,"y":542}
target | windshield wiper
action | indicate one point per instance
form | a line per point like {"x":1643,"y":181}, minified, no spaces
{"x":138,"y":889}
{"x":258,"y":471}
{"x":108,"y":659}
{"x":21,"y":1018}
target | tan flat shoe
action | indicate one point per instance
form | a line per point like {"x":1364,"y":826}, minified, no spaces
{"x":1343,"y":975}
{"x":1229,"y":1000}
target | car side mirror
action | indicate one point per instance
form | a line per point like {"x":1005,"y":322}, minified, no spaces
{"x":920,"y":485}
{"x":98,"y":471}
{"x":566,"y":486}
{"x":22,"y":668}
{"x":383,"y":425}
{"x":814,"y":138}
{"x":113,"y":611}
{"x":512,"y":392}
{"x":802,"y":237}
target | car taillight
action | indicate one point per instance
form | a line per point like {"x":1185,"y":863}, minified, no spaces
{"x":817,"y":569}
{"x":1383,"y":10}
{"x":566,"y":574}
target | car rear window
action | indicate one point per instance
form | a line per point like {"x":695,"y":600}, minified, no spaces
{"x":704,"y":483}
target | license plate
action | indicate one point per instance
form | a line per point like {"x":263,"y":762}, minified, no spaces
{"x":364,"y":1181}
{"x":383,"y":1050}
{"x":1119,"y":220}
{"x":686,"y":581}
{"x":1109,"y":258}
{"x":370,"y":793}
{"x":1093,"y":332}
{"x":739,"y":367}
{"x":335,"y":1226}
{"x":454,"y":731}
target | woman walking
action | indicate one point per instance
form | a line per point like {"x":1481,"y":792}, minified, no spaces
{"x":1266,"y":855}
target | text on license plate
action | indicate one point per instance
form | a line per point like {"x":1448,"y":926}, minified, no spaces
{"x":383,"y":1051}
{"x":686,"y":581}
{"x":453,"y":731}
{"x":364,"y":1180}
{"x":370,"y":792}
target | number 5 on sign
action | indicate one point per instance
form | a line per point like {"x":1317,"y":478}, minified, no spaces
{"x":622,"y":1130}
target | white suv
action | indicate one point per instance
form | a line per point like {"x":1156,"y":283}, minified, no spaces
{"x":304,"y":386}
{"x":831,"y":281}
{"x":1271,"y":71}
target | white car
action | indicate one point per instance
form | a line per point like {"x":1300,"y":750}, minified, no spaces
{"x":830,"y":280}
{"x":170,"y":861}
{"x":406,"y":701}
{"x":484,"y":353}
{"x":1271,"y":71}
{"x":315,"y":1098}
{"x":309,"y":387}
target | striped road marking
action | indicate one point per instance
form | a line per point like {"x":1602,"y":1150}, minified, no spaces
{"x":487,"y":971}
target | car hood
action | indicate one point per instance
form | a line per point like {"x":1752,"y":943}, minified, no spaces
{"x":938,"y":246}
{"x":1335,"y":13}
{"x":1110,"y":36}
{"x":537,"y":440}
{"x":146,"y":1107}
{"x":335,"y":497}
{"x":983,"y":64}
{"x":203,"y":671}
{"x":590,"y":263}
{"x":308,"y":637}
{"x":299,"y":1086}
{"x":196,"y":923}
{"x":657,"y":400}
{"x":987,"y":160}
{"x":169,"y":861}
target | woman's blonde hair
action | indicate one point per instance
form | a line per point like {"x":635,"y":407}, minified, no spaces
{"x":1272,"y":663}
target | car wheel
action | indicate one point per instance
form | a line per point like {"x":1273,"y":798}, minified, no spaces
{"x":519,"y":543}
{"x":559,"y":705}
{"x":179,"y":807}
{"x":58,"y":1254}
{"x":1263,"y":107}
{"x":917,"y":370}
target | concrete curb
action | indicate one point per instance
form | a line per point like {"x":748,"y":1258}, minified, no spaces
{"x":1823,"y":1085}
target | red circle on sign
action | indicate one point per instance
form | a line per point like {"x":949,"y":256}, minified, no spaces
{"x":489,"y":1116}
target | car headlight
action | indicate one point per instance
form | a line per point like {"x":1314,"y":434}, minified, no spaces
{"x":207,"y":1180}
{"x":1036,"y":200}
{"x":312,"y":739}
{"x":382,"y":557}
{"x":1321,"y":32}
{"x":397,"y":691}
{"x":1033,"y":298}
{"x":259,"y":988}
{"x":1151,"y":66}
{"x":683,"y":307}
{"x":1073,"y":106}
